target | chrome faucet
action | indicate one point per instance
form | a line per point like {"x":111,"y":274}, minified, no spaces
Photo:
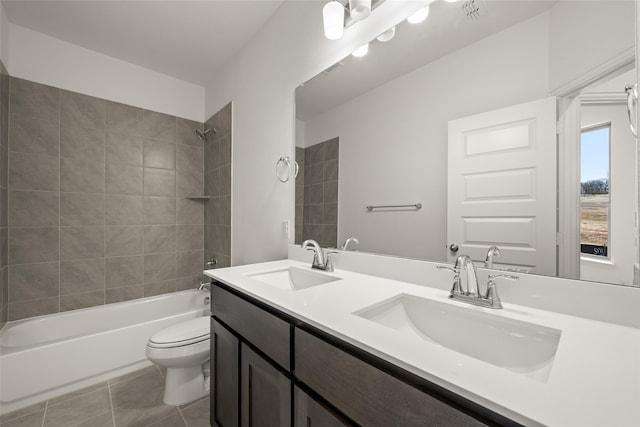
{"x":464,"y":262}
{"x":349,"y":240}
{"x":470,"y":292}
{"x":319,"y":260}
{"x":206,"y":286}
{"x":493,"y":251}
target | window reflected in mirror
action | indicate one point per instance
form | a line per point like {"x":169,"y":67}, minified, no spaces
{"x":595,"y":203}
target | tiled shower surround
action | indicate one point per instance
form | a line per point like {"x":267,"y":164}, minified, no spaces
{"x":217,"y":165}
{"x":98,"y":201}
{"x":317,"y":193}
{"x":4,"y":211}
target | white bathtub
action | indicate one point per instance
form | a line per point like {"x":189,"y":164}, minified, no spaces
{"x":47,"y":356}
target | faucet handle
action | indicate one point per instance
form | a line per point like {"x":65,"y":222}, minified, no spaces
{"x":492,"y":291}
{"x":456,"y":289}
{"x":329,"y":260}
{"x":451,"y":269}
{"x":492,"y":277}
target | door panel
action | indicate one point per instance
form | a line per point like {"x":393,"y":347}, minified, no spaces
{"x":502,"y":186}
{"x":309,"y":413}
{"x":225,"y":350}
{"x":266,"y":393}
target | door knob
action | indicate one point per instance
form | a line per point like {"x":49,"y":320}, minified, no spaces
{"x":453,"y":247}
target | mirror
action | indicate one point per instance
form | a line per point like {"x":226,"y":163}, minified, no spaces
{"x":383,"y":118}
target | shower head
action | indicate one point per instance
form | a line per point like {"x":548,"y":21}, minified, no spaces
{"x":203,"y":135}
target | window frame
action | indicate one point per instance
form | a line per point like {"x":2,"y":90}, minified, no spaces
{"x":607,"y":204}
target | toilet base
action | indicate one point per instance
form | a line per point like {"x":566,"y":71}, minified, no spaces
{"x":184,"y":385}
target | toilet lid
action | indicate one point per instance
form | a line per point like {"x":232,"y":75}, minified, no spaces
{"x":184,"y":333}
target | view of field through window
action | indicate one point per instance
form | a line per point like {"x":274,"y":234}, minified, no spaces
{"x":594,"y":194}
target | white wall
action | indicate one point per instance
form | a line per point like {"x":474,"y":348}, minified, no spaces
{"x":44,"y":59}
{"x":393,"y":139}
{"x":287,"y":51}
{"x":586,"y":34}
{"x":4,"y":37}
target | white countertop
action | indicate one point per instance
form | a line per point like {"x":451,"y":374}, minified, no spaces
{"x":594,"y":380}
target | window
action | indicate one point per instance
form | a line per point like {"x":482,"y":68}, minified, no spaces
{"x":595,"y":203}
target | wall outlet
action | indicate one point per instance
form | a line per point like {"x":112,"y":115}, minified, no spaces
{"x":286,"y":229}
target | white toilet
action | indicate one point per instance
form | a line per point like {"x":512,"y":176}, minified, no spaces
{"x":183,"y":349}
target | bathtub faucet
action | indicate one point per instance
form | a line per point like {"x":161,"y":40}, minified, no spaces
{"x":204,"y":286}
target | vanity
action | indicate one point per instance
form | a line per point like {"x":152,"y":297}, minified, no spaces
{"x":296,"y":346}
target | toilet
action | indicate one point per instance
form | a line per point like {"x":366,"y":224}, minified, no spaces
{"x":183,"y":349}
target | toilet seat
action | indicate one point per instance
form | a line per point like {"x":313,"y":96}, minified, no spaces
{"x":182,"y":334}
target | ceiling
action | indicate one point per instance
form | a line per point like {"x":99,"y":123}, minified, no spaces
{"x":188,"y":40}
{"x":445,"y":30}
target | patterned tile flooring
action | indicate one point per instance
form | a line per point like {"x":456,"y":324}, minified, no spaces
{"x":132,"y":400}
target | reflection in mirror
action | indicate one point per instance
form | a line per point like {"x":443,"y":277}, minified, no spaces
{"x":317,"y":193}
{"x":392,"y":111}
{"x":607,"y":184}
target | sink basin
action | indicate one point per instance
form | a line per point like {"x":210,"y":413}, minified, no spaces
{"x":518,"y":346}
{"x":293,"y":278}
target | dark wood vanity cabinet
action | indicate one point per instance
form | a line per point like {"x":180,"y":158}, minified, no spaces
{"x":271,"y":369}
{"x":225,"y":379}
{"x":365,"y":393}
{"x":266,"y":392}
{"x":247,"y":389}
{"x":310,"y":413}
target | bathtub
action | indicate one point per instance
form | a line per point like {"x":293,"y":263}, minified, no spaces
{"x":50,"y":355}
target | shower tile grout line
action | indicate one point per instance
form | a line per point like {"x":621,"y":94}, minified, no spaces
{"x":104,"y":221}
{"x":59,"y":208}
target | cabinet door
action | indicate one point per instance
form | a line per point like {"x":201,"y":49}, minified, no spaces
{"x":225,"y":370}
{"x":269,"y":333}
{"x":309,"y":413}
{"x":266,"y":393}
{"x":365,"y":394}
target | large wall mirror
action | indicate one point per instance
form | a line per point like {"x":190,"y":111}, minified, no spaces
{"x":452,"y":124}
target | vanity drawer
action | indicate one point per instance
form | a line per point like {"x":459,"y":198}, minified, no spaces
{"x":264,"y":330}
{"x":366,"y":394}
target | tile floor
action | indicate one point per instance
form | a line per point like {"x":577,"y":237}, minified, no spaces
{"x":132,"y":400}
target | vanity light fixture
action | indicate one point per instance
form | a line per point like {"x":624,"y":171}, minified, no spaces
{"x":387,"y":35}
{"x":333,"y":20}
{"x":361,"y":51}
{"x":359,"y":9}
{"x":419,"y":15}
{"x":344,"y":13}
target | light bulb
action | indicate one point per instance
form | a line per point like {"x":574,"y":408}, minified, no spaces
{"x":359,"y":9}
{"x":419,"y":15}
{"x":387,"y":35}
{"x":333,"y":19}
{"x":361,"y":51}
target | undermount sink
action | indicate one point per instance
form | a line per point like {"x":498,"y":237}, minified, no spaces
{"x":518,"y":346}
{"x":293,"y":278}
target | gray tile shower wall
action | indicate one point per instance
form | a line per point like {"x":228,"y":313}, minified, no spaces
{"x":4,"y":194}
{"x":97,"y":202}
{"x":299,"y":218}
{"x":217,"y":162}
{"x":319,"y":194}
